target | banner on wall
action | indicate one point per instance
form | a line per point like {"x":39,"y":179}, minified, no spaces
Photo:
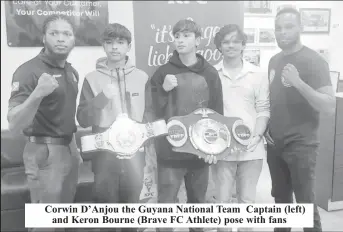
{"x":24,"y":20}
{"x":154,"y":21}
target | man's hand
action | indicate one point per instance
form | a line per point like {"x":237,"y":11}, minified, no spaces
{"x":255,"y":140}
{"x":110,"y":91}
{"x":290,"y":76}
{"x":46,"y":85}
{"x":269,"y":139}
{"x":170,"y":82}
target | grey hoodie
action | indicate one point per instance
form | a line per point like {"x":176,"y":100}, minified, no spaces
{"x":99,"y":112}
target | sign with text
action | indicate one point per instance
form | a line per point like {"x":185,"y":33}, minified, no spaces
{"x":154,"y":21}
{"x":24,"y":20}
{"x":168,"y":215}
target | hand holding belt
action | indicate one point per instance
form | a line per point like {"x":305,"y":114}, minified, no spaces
{"x":124,"y":137}
{"x":205,"y":132}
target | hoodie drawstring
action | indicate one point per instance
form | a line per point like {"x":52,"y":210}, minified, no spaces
{"x":127,"y":97}
{"x":123,"y":96}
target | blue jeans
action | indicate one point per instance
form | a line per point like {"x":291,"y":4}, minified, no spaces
{"x":245,"y":174}
{"x":292,"y":169}
{"x":169,"y":181}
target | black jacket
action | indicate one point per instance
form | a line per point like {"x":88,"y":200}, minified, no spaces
{"x":198,"y":86}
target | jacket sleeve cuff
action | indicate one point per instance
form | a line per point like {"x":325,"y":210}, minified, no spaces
{"x":263,"y":114}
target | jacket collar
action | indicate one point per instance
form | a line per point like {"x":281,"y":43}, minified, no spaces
{"x":49,"y":60}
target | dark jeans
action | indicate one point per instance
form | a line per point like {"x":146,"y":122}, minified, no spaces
{"x":52,"y":174}
{"x":117,"y":180}
{"x":292,"y":169}
{"x":169,"y":182}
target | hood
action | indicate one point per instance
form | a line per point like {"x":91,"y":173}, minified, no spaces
{"x":101,"y":66}
{"x":199,"y":67}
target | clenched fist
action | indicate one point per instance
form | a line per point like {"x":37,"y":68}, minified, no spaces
{"x":170,"y":82}
{"x":110,"y":91}
{"x":46,"y":85}
{"x":290,"y":76}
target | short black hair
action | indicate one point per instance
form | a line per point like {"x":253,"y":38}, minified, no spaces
{"x":116,"y":31}
{"x":187,"y":25}
{"x":55,"y":17}
{"x":227,"y":29}
{"x":290,"y":10}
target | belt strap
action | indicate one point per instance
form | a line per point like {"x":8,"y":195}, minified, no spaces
{"x":50,"y":140}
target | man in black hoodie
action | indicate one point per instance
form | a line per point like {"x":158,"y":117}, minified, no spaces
{"x":187,"y":82}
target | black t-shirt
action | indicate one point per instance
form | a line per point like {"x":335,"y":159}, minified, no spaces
{"x":293,"y":119}
{"x":56,"y":114}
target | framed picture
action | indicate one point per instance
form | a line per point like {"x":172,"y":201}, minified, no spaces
{"x":251,"y":35}
{"x":315,"y":20}
{"x":266,"y":37}
{"x":253,"y":56}
{"x":258,"y":8}
{"x":286,"y":4}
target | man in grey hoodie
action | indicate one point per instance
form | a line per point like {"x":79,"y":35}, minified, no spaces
{"x":115,"y":87}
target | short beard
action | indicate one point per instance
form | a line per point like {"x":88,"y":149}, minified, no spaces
{"x":55,"y":55}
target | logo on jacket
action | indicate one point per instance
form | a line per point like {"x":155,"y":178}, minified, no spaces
{"x":15,"y":86}
{"x":135,"y":94}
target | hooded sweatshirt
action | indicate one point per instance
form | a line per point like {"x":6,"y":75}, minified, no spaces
{"x":198,"y":86}
{"x":96,"y":110}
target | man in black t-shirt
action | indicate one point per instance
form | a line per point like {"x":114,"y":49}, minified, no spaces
{"x":300,"y":89}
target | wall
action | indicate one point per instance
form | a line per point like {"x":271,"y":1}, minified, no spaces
{"x":336,"y":38}
{"x":83,"y":58}
{"x":314,"y":41}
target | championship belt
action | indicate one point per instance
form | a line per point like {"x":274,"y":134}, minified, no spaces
{"x":205,"y":132}
{"x":125,"y":137}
